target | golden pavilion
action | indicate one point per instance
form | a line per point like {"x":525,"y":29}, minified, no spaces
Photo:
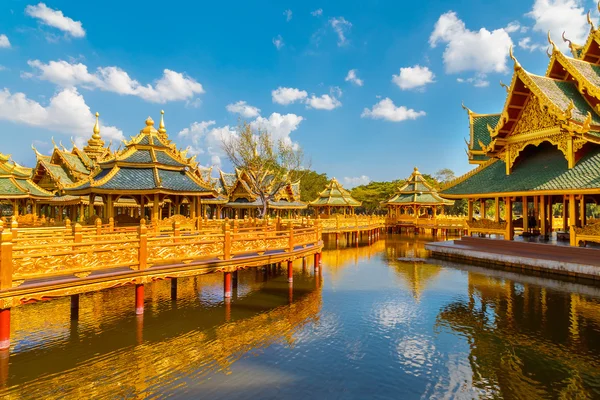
{"x":334,"y":199}
{"x":416,"y":199}
{"x":543,"y":149}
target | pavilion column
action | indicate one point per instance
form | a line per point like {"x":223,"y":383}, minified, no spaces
{"x":155,"y":208}
{"x":91,"y":205}
{"x":582,"y":211}
{"x":109,"y":211}
{"x":536,"y":209}
{"x":542,"y":215}
{"x":572,"y":217}
{"x":549,"y":214}
{"x":497,"y":209}
{"x":470,"y":210}
{"x":564,"y":214}
{"x":482,"y":208}
{"x":525,"y":203}
{"x":508,"y":210}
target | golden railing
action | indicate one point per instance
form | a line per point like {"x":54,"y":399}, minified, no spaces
{"x":589,"y":233}
{"x":487,"y":227}
{"x":438,"y":222}
{"x":41,"y":253}
{"x":351,"y":223}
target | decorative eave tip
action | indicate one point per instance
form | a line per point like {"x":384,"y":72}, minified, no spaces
{"x":554,"y":47}
{"x":467,"y":109}
{"x":589,"y":19}
{"x":517,"y":65}
{"x":505,"y":86}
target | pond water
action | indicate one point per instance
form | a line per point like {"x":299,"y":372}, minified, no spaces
{"x":370,"y":326}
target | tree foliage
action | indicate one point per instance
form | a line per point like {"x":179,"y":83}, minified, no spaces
{"x":267,"y":164}
{"x":374,"y":193}
{"x":311,"y":184}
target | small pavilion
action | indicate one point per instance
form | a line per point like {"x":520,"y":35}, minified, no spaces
{"x":334,"y":199}
{"x":148,"y":174}
{"x":416,"y":199}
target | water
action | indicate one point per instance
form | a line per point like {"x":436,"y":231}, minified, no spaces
{"x":370,"y":327}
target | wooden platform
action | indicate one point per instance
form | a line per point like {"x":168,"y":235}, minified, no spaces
{"x":563,"y":260}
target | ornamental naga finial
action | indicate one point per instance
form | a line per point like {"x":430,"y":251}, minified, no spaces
{"x":589,"y":20}
{"x":505,"y":86}
{"x":466,"y":108}
{"x":512,"y":57}
{"x":554,"y":48}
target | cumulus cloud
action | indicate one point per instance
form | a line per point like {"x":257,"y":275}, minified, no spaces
{"x":558,"y":16}
{"x":386,"y":109}
{"x":350,"y":182}
{"x":317,"y":13}
{"x":4,"y":42}
{"x":56,"y":19}
{"x":172,"y":86}
{"x":413,"y":77}
{"x":323,"y":102}
{"x":526,"y":44}
{"x":206,"y":139}
{"x":65,"y":113}
{"x":341,"y":27}
{"x":481,"y":51}
{"x":285,"y":95}
{"x":288,"y":15}
{"x":352,"y":77}
{"x":477,"y":81}
{"x":244,"y":109}
{"x":278,"y":42}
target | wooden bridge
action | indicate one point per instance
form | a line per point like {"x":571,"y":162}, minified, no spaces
{"x":39,"y":264}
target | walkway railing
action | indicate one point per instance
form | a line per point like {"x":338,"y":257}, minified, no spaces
{"x":352,"y":223}
{"x":46,"y":253}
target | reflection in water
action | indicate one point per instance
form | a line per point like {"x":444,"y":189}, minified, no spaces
{"x":378,"y":323}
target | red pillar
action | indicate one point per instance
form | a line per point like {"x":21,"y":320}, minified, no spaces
{"x":317,"y":261}
{"x":227,"y":285}
{"x":227,"y":309}
{"x":139,"y":299}
{"x":290,"y":271}
{"x":4,"y":328}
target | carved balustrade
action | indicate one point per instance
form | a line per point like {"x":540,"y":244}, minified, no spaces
{"x":487,"y":227}
{"x":589,"y":233}
{"x":27,"y":254}
{"x":351,"y":223}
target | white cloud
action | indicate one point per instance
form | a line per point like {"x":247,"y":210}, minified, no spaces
{"x":478,"y":80}
{"x":56,"y":19}
{"x":278,"y":42}
{"x":386,"y":109}
{"x":526,"y":44}
{"x":66,"y":113}
{"x":4,"y":42}
{"x":206,"y":139}
{"x":513,"y":27}
{"x":413,"y":77}
{"x":288,"y":15}
{"x":324,"y":102}
{"x":353,"y":77}
{"x":317,"y":13}
{"x":172,"y":86}
{"x":244,"y":109}
{"x":350,"y":182}
{"x":279,"y":126}
{"x":558,"y":16}
{"x":341,"y":28}
{"x":480,"y":51}
{"x":285,"y":95}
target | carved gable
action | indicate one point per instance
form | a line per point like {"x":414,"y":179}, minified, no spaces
{"x":533,"y":118}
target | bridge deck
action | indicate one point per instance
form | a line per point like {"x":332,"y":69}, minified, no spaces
{"x":573,"y":261}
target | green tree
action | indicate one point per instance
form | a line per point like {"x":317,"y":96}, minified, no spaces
{"x":269,"y":165}
{"x":374,"y":193}
{"x":311,"y":184}
{"x":444,"y":175}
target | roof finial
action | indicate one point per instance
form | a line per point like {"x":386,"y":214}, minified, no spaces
{"x":161,"y":126}
{"x":589,"y":20}
{"x":505,"y":86}
{"x":564,"y":38}
{"x":96,"y":134}
{"x":512,"y":57}
{"x":466,"y":108}
{"x":554,"y":48}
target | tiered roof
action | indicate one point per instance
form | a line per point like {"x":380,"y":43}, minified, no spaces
{"x":335,"y":195}
{"x":15,"y":181}
{"x":417,"y":191}
{"x":241,"y":196}
{"x":149,"y":163}
{"x":560,"y":109}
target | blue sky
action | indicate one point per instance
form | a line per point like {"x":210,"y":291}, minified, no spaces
{"x":288,"y":63}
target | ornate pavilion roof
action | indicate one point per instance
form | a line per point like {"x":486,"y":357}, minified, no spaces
{"x":15,"y":181}
{"x":334,"y":195}
{"x":560,"y":109}
{"x":479,"y":137}
{"x":417,"y":191}
{"x":149,"y":163}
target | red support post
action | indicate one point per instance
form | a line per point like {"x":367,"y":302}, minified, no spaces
{"x":316,"y":262}
{"x":290,"y":267}
{"x":5,"y":328}
{"x":139,"y":299}
{"x":227,"y":285}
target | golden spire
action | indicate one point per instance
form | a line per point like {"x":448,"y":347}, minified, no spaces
{"x":161,"y":126}
{"x":512,"y":57}
{"x":96,"y":135}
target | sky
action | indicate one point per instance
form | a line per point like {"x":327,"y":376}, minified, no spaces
{"x":368,"y":90}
